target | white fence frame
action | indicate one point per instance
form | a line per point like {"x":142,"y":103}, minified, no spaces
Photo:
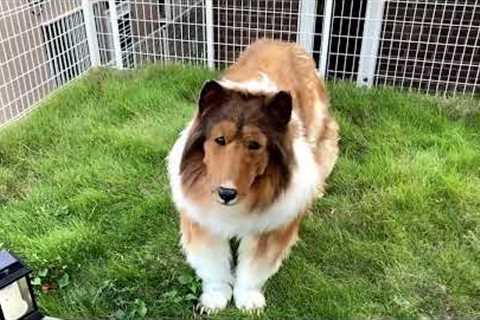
{"x":89,"y":17}
{"x":370,"y":42}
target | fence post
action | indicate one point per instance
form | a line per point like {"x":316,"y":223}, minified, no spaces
{"x":370,"y":42}
{"x":209,"y":23}
{"x":327,"y":23}
{"x":117,"y":48}
{"x":306,"y":26}
{"x":91,"y":31}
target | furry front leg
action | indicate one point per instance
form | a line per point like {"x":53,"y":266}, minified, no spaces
{"x":210,"y":257}
{"x":260,"y":257}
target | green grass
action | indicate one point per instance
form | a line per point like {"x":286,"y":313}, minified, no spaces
{"x":84,"y":199}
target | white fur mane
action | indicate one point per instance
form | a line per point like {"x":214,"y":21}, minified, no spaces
{"x":262,"y":84}
{"x":231,"y":221}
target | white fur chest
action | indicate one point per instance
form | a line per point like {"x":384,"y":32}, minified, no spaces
{"x":236,"y":221}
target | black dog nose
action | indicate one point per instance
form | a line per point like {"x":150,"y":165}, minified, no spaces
{"x":227,"y":194}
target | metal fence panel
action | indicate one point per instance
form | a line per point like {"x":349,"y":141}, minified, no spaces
{"x":429,"y":46}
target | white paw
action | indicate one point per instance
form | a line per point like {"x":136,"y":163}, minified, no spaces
{"x":214,"y":300}
{"x":249,"y":299}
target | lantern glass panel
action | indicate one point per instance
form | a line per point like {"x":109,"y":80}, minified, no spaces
{"x":15,"y":300}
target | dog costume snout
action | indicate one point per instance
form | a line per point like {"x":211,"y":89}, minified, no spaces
{"x":227,"y":194}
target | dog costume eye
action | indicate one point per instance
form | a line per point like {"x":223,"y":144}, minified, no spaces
{"x":220,"y":141}
{"x":253,"y":145}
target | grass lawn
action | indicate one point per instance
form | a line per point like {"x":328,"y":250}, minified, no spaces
{"x":84,"y":199}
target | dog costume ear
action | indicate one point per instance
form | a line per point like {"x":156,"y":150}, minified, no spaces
{"x":280,"y":108}
{"x":211,"y":95}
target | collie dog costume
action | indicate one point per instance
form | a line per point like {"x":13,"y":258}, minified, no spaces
{"x":248,"y":166}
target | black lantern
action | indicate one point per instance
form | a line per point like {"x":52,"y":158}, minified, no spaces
{"x":16,"y":295}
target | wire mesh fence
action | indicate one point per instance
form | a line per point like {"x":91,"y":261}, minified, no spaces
{"x":42,"y":46}
{"x":429,"y":46}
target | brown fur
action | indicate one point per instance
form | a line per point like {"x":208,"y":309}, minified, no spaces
{"x":233,"y":114}
{"x":291,"y":69}
{"x":259,"y":175}
{"x":194,"y":237}
{"x":239,"y":116}
{"x":273,"y":246}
